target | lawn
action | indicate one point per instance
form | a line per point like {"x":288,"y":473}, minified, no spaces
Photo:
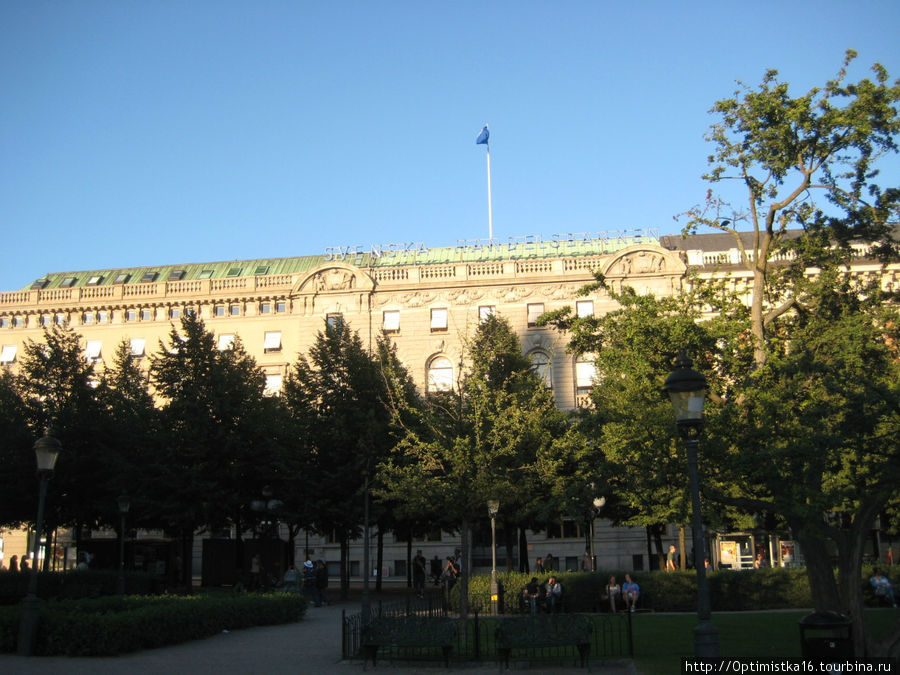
{"x":662,"y":640}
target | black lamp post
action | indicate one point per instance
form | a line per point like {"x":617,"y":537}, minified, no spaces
{"x":596,"y":505}
{"x":46,"y":450}
{"x":687,"y":391}
{"x":493,"y":506}
{"x":124,"y":505}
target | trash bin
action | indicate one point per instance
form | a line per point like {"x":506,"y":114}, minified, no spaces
{"x":826,"y":637}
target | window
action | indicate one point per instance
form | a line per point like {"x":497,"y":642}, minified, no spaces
{"x":190,"y":311}
{"x":272,"y":342}
{"x":584,"y":308}
{"x":46,"y":319}
{"x":334,"y":321}
{"x":540,"y":363}
{"x":4,"y":322}
{"x":39,"y":284}
{"x":60,"y":319}
{"x":391,"y":321}
{"x":219,"y":310}
{"x":226,"y":341}
{"x":8,"y":354}
{"x":121,"y":278}
{"x":174,"y":312}
{"x":585,"y":373}
{"x":148,"y":277}
{"x":273,"y":385}
{"x":68,"y":282}
{"x":440,"y":374}
{"x":261,"y":270}
{"x":234,"y":310}
{"x":18,"y":321}
{"x":137,"y":346}
{"x":103,"y":316}
{"x":175,"y":275}
{"x":146,"y":315}
{"x":535,"y":309}
{"x":92,"y":351}
{"x":131,"y":315}
{"x":206,"y":274}
{"x":485,"y":311}
{"x":438,"y":320}
{"x":88,"y":317}
{"x":265,"y":308}
{"x":234,"y":272}
{"x":281,"y":306}
{"x":94,"y":280}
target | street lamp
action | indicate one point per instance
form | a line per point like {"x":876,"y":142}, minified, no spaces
{"x":46,"y":451}
{"x":124,"y":505}
{"x":687,"y":391}
{"x":598,"y":503}
{"x":493,"y":506}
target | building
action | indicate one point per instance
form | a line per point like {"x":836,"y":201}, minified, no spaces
{"x":428,"y":300}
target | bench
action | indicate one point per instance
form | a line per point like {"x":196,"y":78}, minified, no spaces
{"x":542,"y":630}
{"x":409,"y":631}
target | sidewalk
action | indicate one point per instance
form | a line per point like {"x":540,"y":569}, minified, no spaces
{"x":312,"y":645}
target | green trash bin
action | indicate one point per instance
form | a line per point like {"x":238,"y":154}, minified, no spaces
{"x":826,"y":637}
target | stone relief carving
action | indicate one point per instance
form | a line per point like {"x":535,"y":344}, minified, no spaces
{"x":416,"y":299}
{"x":334,"y":279}
{"x":464,"y":296}
{"x":558,"y":292}
{"x":639,"y":262}
{"x":513,"y":293}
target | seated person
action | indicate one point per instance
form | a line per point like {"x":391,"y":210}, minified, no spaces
{"x":553,"y":595}
{"x":630,"y":592}
{"x":612,"y":592}
{"x":532,"y":594}
{"x":882,"y":587}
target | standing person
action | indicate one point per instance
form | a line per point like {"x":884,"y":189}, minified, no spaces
{"x":418,"y":574}
{"x":549,"y":562}
{"x":451,"y":571}
{"x":539,"y":566}
{"x":532,"y":594}
{"x":587,"y":562}
{"x":553,"y":595}
{"x":670,"y":559}
{"x":310,"y":592}
{"x":322,"y":582}
{"x":882,"y":586}
{"x":631,"y":592}
{"x":14,"y":564}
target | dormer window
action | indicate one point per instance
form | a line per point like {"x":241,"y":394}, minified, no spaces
{"x":149,"y":277}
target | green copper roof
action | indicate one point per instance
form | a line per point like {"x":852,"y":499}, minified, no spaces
{"x":393,"y":256}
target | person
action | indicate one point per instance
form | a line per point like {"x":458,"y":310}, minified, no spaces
{"x":309,"y":584}
{"x":539,"y":566}
{"x":587,"y":562}
{"x":760,"y":561}
{"x":549,"y":562}
{"x":882,"y":587}
{"x":553,"y":595}
{"x":255,"y":570}
{"x":322,"y":582}
{"x":14,"y":564}
{"x":418,"y":574}
{"x":451,"y":571}
{"x":436,"y":570}
{"x":670,"y":559}
{"x":612,"y":592}
{"x":24,"y":565}
{"x":532,"y":594}
{"x":82,"y":563}
{"x":630,"y":592}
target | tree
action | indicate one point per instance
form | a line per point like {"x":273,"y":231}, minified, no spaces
{"x":214,"y":457}
{"x":498,"y":434}
{"x":17,"y":464}
{"x":336,"y":395}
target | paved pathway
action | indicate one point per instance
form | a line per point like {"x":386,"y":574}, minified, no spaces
{"x":312,"y":646}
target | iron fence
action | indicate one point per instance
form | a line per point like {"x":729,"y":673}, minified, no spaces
{"x":611,"y":636}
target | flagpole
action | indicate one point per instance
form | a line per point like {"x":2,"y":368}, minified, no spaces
{"x":490,"y":210}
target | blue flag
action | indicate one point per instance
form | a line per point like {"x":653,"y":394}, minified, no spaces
{"x":483,"y":136}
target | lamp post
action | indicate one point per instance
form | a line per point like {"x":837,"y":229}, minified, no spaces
{"x":124,"y":505}
{"x":493,"y":506}
{"x":46,"y":450}
{"x":687,"y":391}
{"x":597,"y":504}
{"x":366,"y":606}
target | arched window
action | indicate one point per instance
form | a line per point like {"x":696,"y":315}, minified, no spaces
{"x":440,"y":374}
{"x":540,"y":363}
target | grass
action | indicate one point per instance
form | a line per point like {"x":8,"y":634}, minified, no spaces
{"x":662,"y":640}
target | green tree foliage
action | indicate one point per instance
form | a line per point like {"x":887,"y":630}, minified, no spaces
{"x":215,"y":457}
{"x":18,"y":500}
{"x":337,"y":397}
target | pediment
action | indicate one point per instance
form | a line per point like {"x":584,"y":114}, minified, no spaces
{"x":642,"y":259}
{"x":333,"y":278}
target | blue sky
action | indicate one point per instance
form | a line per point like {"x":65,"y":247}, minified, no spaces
{"x":150,"y":133}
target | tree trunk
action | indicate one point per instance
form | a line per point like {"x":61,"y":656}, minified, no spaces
{"x":524,"y":565}
{"x":187,"y":558}
{"x":464,"y":574}
{"x":345,"y":569}
{"x":409,"y":561}
{"x":660,"y":553}
{"x":682,"y":563}
{"x":509,"y":535}
{"x":822,"y":584}
{"x":379,"y":559}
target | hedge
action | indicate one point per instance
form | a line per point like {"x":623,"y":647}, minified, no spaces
{"x":115,"y":625}
{"x":76,"y":584}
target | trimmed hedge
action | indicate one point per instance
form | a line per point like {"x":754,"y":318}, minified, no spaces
{"x":110,"y":626}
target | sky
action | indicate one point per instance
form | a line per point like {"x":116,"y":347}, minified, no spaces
{"x":137,"y":133}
